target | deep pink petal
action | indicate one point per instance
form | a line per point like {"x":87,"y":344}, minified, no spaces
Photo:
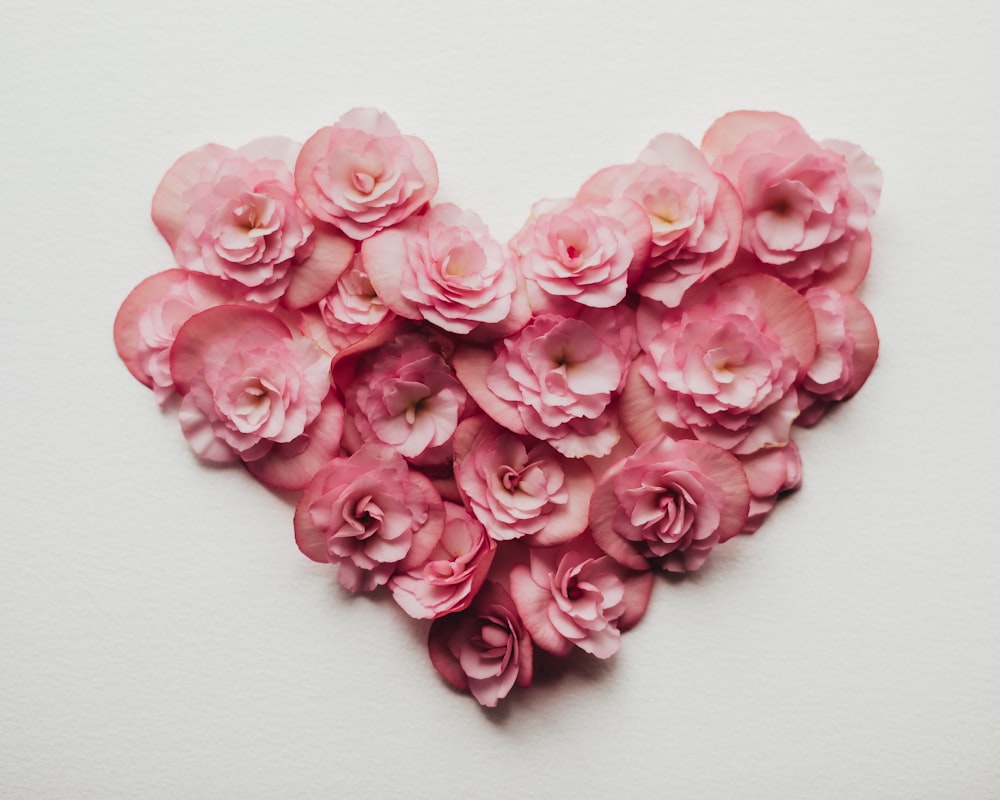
{"x":126,"y":329}
{"x":725,"y":469}
{"x":638,"y":589}
{"x":852,"y":272}
{"x":532,"y":603}
{"x":861,"y":326}
{"x":441,"y":656}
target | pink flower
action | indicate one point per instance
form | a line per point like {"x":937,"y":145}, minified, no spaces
{"x":235,"y":214}
{"x":518,"y":487}
{"x":694,"y":214}
{"x":151,"y":315}
{"x":771,"y":472}
{"x":453,"y":572}
{"x":371,"y":515}
{"x":352,"y":309}
{"x":669,"y":504}
{"x":807,"y":204}
{"x":846,"y":352}
{"x":405,"y":395}
{"x":248,"y":383}
{"x":443,"y":267}
{"x":583,"y":252}
{"x":577,"y":596}
{"x":484,"y":650}
{"x":723,"y":367}
{"x":556,"y":379}
{"x":363,"y":175}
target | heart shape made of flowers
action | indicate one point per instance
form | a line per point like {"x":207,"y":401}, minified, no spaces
{"x":512,"y":438}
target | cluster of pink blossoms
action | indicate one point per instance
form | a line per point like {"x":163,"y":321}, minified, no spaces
{"x":512,"y":438}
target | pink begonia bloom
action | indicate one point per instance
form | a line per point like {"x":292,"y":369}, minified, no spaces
{"x":235,"y":214}
{"x":405,"y":395}
{"x":556,"y":379}
{"x":151,"y":315}
{"x":846,"y":352}
{"x":723,"y":367}
{"x":443,"y":267}
{"x":518,"y":487}
{"x":576,"y":595}
{"x":363,"y":175}
{"x":807,"y":204}
{"x":771,"y":472}
{"x":352,"y":309}
{"x":669,"y":504}
{"x":485,"y":649}
{"x":453,"y":572}
{"x":582,"y":252}
{"x":371,"y":515}
{"x":247,"y":383}
{"x":694,"y":214}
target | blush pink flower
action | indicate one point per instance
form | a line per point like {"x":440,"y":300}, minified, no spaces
{"x":807,"y":204}
{"x":363,"y":175}
{"x":845,"y":355}
{"x":576,"y":595}
{"x":583,"y":252}
{"x":694,"y":214}
{"x":555,"y":380}
{"x":371,"y":515}
{"x":518,"y":487}
{"x":148,"y":321}
{"x":669,"y":504}
{"x":453,"y":572}
{"x":352,"y":309}
{"x":485,"y":649}
{"x":443,"y":267}
{"x":404,"y":394}
{"x":236,"y":214}
{"x":771,"y":473}
{"x":247,"y":383}
{"x":723,"y":367}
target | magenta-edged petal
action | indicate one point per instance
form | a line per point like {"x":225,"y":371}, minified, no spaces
{"x":638,"y":589}
{"x":568,"y":521}
{"x":472,"y":364}
{"x":730,"y":129}
{"x":441,"y":656}
{"x":290,"y":467}
{"x":313,"y":279}
{"x":198,"y":333}
{"x":383,"y":256}
{"x":852,"y":272}
{"x":169,"y":207}
{"x":637,"y":408}
{"x":725,"y":469}
{"x":532,"y":603}
{"x":126,"y":329}
{"x":861,"y":326}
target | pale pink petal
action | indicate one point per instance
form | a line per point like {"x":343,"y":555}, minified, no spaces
{"x":730,"y":129}
{"x":169,"y":206}
{"x":313,"y":279}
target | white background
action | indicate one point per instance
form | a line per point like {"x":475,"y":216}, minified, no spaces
{"x":163,"y":637}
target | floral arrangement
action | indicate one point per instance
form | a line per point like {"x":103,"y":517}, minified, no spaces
{"x":513,"y":439}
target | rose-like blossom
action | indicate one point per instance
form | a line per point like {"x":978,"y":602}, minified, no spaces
{"x":371,"y":515}
{"x":556,"y":380}
{"x":352,"y":308}
{"x":723,"y":367}
{"x":771,"y":473}
{"x":807,"y":204}
{"x":453,"y":572}
{"x":519,"y":487}
{"x":363,"y":175}
{"x":485,"y":649}
{"x":847,"y":348}
{"x":576,"y":595}
{"x":669,"y":504}
{"x":235,"y":214}
{"x":582,"y":252}
{"x":443,"y":267}
{"x":694,"y":214}
{"x":148,"y":321}
{"x":405,"y":395}
{"x":247,"y":383}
